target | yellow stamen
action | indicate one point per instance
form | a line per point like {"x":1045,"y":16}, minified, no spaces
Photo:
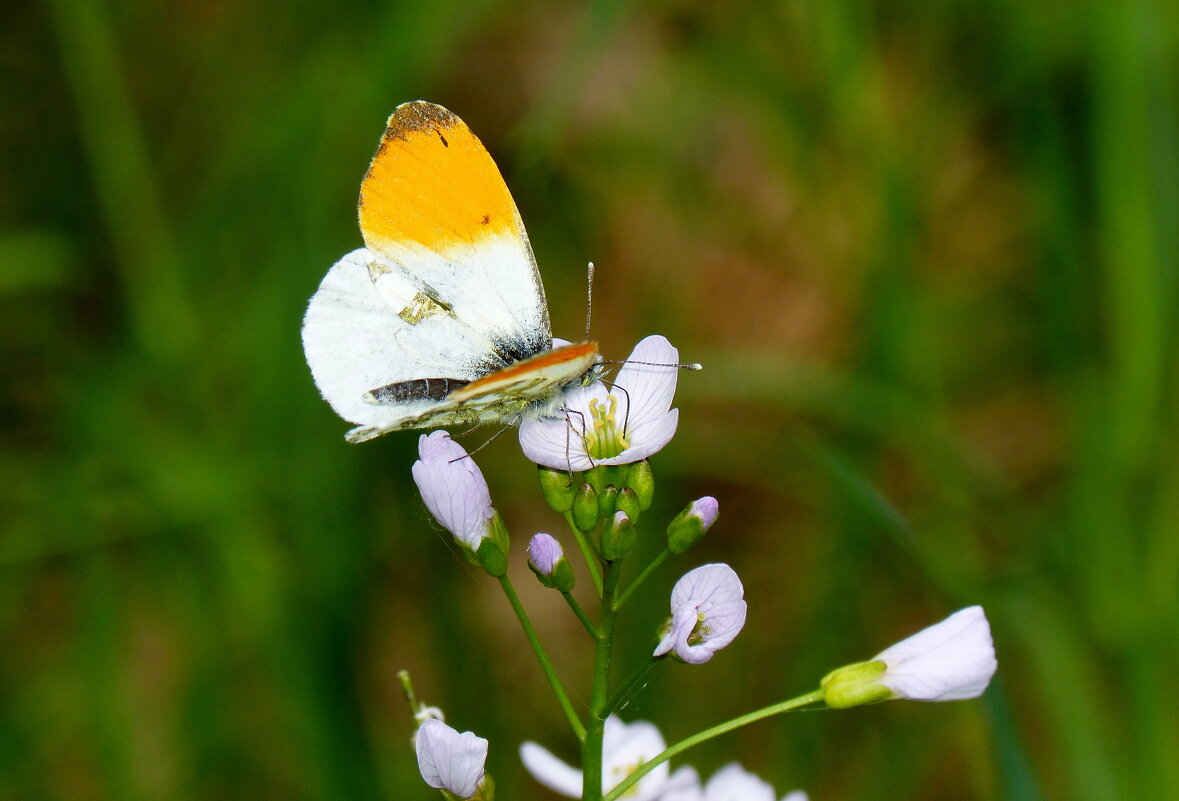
{"x":606,"y":440}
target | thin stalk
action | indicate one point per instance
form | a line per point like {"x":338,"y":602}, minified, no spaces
{"x":639,"y":579}
{"x":728,"y":726}
{"x":634,"y":678}
{"x":591,"y":751}
{"x":545,"y":664}
{"x":588,"y":553}
{"x":581,"y":615}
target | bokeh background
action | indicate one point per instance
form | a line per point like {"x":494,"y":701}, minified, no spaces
{"x":926,"y":251}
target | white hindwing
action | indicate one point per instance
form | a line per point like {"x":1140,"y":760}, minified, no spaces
{"x":372,"y":323}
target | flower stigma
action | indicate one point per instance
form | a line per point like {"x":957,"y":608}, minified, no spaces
{"x":606,"y":440}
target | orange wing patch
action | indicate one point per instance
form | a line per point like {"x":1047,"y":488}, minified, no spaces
{"x":433,"y":183}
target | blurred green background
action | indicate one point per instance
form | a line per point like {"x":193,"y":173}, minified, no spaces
{"x":926,"y":251}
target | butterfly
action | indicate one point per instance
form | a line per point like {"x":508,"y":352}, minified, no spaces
{"x":440,"y":319}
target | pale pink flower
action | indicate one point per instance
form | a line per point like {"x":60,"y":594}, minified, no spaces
{"x":453,"y":488}
{"x":707,"y":612}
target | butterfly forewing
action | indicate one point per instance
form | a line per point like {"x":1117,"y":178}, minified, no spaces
{"x":435,"y":209}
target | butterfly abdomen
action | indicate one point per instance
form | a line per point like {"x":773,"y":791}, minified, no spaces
{"x":416,"y":389}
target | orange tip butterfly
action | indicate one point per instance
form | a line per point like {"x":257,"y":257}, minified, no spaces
{"x":440,"y":319}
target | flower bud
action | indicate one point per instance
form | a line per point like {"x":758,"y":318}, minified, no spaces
{"x":690,"y":525}
{"x":607,"y":501}
{"x":548,"y":562}
{"x":585,"y":508}
{"x":641,"y":479}
{"x":949,"y":661}
{"x":618,"y":538}
{"x":628,"y":502}
{"x":453,"y":488}
{"x":601,"y":476}
{"x":558,"y":488}
{"x":449,"y":761}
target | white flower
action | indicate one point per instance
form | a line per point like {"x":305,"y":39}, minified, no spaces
{"x":730,"y":783}
{"x":707,"y":613}
{"x":949,"y":661}
{"x":452,"y":488}
{"x":625,"y":747}
{"x":448,"y":760}
{"x":625,"y":424}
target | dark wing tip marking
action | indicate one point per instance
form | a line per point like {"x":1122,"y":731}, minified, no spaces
{"x":420,"y":116}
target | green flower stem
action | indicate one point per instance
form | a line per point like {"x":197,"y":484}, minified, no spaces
{"x":634,"y":678}
{"x":647,"y":571}
{"x":411,"y":698}
{"x":591,"y":750}
{"x":545,"y":665}
{"x":708,"y":734}
{"x":581,"y":615}
{"x":588,"y":553}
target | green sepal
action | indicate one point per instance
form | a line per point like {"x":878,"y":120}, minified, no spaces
{"x":498,"y":532}
{"x":855,"y":685}
{"x":492,"y":558}
{"x":684,"y":531}
{"x":562,"y":579}
{"x":628,"y":502}
{"x":558,"y":488}
{"x":486,"y":789}
{"x":602,"y":476}
{"x":641,"y":478}
{"x":618,"y":538}
{"x":607,"y":501}
{"x":585,"y":508}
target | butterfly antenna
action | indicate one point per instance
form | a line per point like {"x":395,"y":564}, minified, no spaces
{"x":679,"y":365}
{"x":589,"y":297}
{"x":569,"y":428}
{"x":626,"y":417}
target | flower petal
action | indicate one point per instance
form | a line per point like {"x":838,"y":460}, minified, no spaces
{"x":544,"y":551}
{"x":626,"y":746}
{"x":950,"y":661}
{"x":650,"y":388}
{"x":648,"y":439}
{"x":452,"y":487}
{"x":683,"y":785}
{"x":448,"y":760}
{"x":734,"y":783}
{"x":550,"y":771}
